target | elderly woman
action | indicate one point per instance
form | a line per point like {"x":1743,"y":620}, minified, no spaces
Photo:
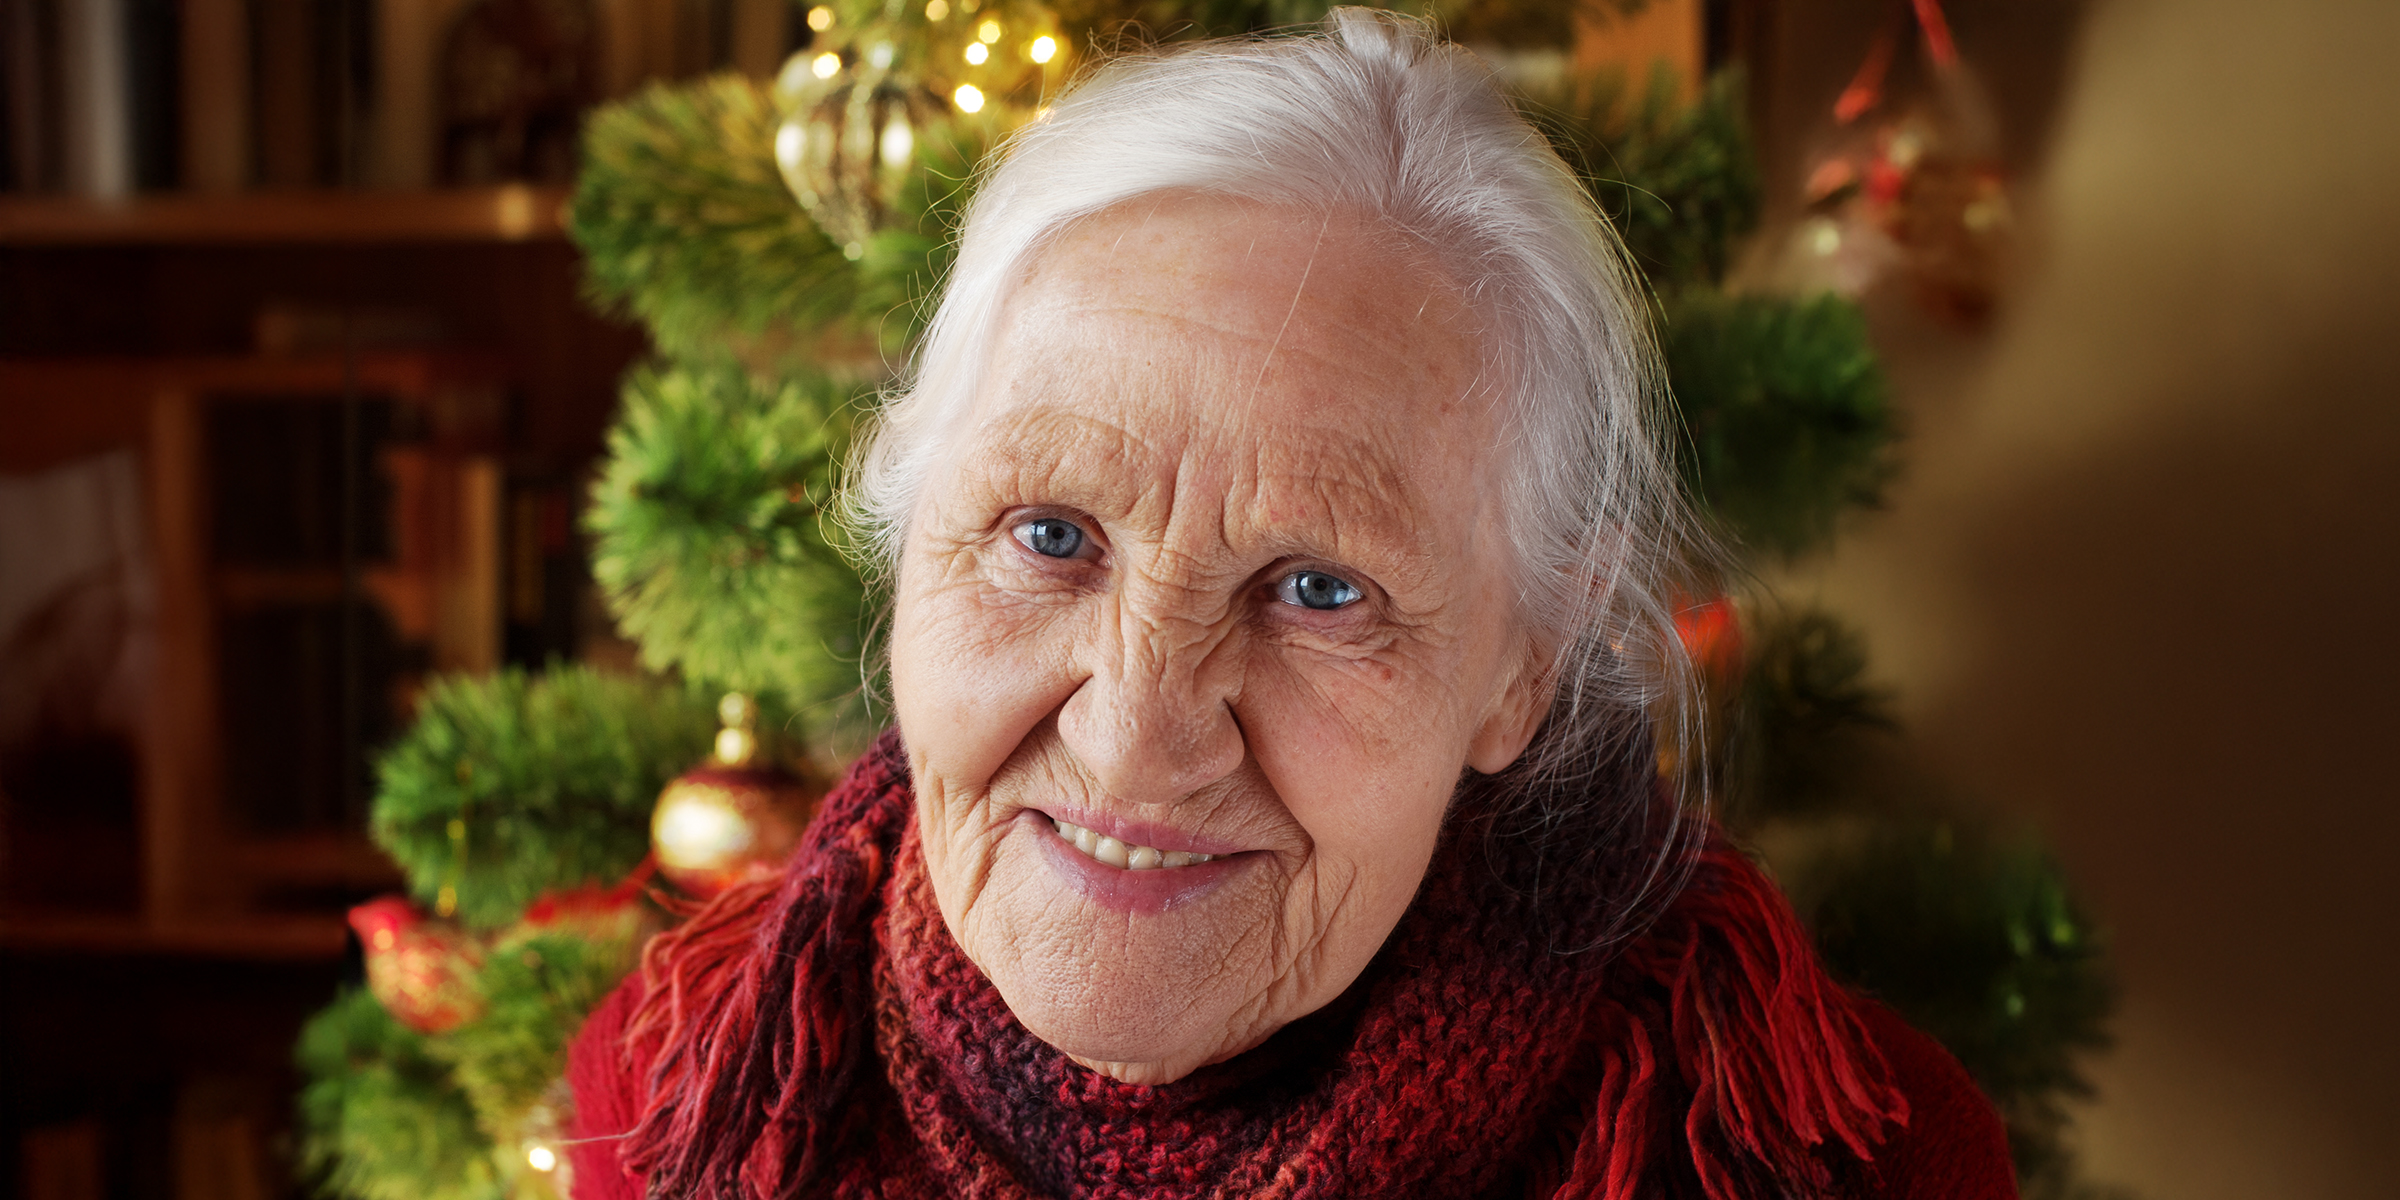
{"x":1280,"y":541}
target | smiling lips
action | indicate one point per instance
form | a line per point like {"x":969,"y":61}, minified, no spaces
{"x":1106,"y":849}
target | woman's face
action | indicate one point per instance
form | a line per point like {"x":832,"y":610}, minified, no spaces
{"x":1199,"y":622}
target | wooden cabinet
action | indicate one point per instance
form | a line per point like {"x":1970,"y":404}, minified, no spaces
{"x":320,"y":533}
{"x":321,"y":527}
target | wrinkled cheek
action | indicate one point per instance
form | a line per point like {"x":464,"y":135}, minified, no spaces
{"x":963,"y":858}
{"x":1356,"y":769}
{"x":968,"y":686}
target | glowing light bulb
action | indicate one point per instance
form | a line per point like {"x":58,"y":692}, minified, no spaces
{"x":542,"y":1158}
{"x":977,"y":52}
{"x":826,"y":64}
{"x":789,"y":141}
{"x":820,"y":18}
{"x":968,"y":97}
{"x":899,"y":144}
{"x":935,"y":10}
{"x":989,"y":31}
{"x":1043,"y":49}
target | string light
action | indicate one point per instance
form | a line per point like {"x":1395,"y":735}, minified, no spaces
{"x":825,"y":65}
{"x":976,"y":53}
{"x":989,"y":31}
{"x":820,"y":18}
{"x":968,"y":97}
{"x":898,"y":144}
{"x":935,"y":10}
{"x":790,"y":141}
{"x":542,"y":1158}
{"x":1044,"y":48}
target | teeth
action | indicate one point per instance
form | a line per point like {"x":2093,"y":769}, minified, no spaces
{"x":1117,"y":854}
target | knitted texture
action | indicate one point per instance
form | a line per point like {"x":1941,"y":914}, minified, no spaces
{"x":832,"y":1039}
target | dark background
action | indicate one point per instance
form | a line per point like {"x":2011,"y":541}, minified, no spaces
{"x":2137,"y":583}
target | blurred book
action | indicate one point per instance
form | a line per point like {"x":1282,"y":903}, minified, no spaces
{"x":91,"y":96}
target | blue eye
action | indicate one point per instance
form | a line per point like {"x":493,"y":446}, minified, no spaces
{"x":1051,"y":536}
{"x":1315,"y":589}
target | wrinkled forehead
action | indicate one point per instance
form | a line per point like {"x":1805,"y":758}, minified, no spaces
{"x":1321,"y":357}
{"x":1302,"y":281}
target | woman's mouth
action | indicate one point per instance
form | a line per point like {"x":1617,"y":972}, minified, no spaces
{"x":1133,"y":877}
{"x":1106,"y":849}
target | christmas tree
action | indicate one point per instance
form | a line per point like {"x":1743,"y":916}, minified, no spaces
{"x":781,"y":241}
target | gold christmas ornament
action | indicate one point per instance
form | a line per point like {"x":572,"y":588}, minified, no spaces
{"x":860,"y":101}
{"x":849,"y":136}
{"x":734,"y":817}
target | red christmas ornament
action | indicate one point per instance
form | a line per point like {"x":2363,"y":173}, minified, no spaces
{"x":604,"y":916}
{"x":1914,"y":186}
{"x":731,"y":818}
{"x":1711,"y":632}
{"x":421,"y":970}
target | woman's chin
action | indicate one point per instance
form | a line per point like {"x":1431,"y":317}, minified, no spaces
{"x":1145,"y":1074}
{"x":1129,"y":973}
{"x":1133,"y":1051}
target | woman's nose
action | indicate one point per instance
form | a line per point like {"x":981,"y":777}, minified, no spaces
{"x":1154,"y":721}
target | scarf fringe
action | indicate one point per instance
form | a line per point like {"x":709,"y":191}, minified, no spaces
{"x":1778,"y":1062}
{"x":765,"y":995}
{"x":756,"y":1015}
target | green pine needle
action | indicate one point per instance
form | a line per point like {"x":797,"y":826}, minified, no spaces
{"x":1976,"y":941}
{"x":1784,"y":412}
{"x":1678,"y":181}
{"x":714,"y":545}
{"x":685,"y":222}
{"x":536,"y":993}
{"x":553,"y":777}
{"x":380,"y":1116}
{"x":1806,"y":721}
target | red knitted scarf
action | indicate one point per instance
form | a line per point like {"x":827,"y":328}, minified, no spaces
{"x":825,"y":1035}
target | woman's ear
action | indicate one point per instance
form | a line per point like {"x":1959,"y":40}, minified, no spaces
{"x":1516,"y":712}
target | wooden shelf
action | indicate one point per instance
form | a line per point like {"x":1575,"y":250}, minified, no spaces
{"x":315,"y":858}
{"x":410,"y":373}
{"x":509,"y":213}
{"x":248,"y":936}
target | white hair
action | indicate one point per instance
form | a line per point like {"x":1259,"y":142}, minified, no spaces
{"x":1373,"y":113}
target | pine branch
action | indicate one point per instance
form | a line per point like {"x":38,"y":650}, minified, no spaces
{"x":1784,"y":412}
{"x":713,"y":540}
{"x":380,"y":1117}
{"x":1805,"y":725}
{"x":685,"y":222}
{"x":1975,"y":940}
{"x":552,"y":777}
{"x":536,"y":992}
{"x":1678,"y":181}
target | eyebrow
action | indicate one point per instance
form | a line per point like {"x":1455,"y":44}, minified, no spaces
{"x":1046,"y":454}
